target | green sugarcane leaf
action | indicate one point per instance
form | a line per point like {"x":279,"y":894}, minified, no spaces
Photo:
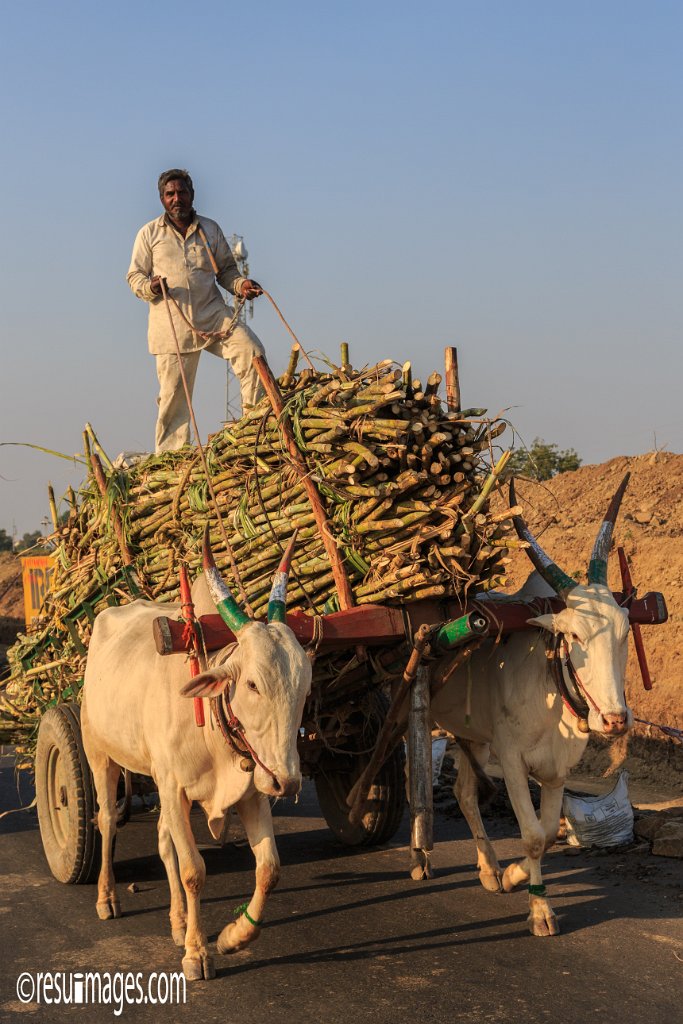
{"x":76,"y":459}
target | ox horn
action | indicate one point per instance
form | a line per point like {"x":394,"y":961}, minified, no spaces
{"x":227,"y":606}
{"x":277,"y":602}
{"x":597,"y":567}
{"x":549,"y":570}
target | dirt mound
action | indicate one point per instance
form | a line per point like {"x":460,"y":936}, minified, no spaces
{"x":11,"y":592}
{"x":11,"y":603}
{"x":564,"y":514}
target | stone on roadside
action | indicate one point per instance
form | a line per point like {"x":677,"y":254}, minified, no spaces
{"x":668,"y":841}
{"x":647,"y":826}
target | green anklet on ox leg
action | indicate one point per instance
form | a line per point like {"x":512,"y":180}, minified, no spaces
{"x":243,"y":910}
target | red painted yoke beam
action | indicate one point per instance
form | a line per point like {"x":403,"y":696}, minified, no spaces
{"x":382,"y":626}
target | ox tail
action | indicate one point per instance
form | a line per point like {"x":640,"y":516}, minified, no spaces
{"x":486,"y":787}
{"x":125,"y":802}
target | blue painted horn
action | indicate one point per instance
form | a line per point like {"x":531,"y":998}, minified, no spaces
{"x":549,"y":570}
{"x":597,"y":567}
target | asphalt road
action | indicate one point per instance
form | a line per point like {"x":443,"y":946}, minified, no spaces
{"x":350,"y":938}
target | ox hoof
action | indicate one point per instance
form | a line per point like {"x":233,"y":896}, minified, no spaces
{"x":106,"y":909}
{"x":179,"y":936}
{"x":543,"y":926}
{"x":198,"y":967}
{"x":420,"y":865}
{"x":512,"y":877}
{"x":492,"y":881}
{"x":233,"y":938}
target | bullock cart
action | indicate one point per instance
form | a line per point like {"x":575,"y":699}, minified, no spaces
{"x":395,"y":536}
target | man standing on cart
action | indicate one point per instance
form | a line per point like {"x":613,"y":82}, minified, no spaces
{"x":190,"y":253}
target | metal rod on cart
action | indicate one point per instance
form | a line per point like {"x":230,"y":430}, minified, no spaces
{"x":420,"y":777}
{"x":629,"y":591}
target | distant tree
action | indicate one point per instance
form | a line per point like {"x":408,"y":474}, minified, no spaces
{"x":5,"y":541}
{"x":542,"y":461}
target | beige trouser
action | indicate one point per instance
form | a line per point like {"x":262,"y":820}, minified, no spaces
{"x":173,"y":421}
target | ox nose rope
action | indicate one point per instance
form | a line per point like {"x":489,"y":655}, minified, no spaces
{"x":668,"y":730}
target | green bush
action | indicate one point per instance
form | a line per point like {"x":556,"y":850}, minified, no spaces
{"x":542,"y":461}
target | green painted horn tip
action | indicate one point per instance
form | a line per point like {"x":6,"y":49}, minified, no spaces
{"x":597,"y":571}
{"x":232,"y":615}
{"x":277,"y":612}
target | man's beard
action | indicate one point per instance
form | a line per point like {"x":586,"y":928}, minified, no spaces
{"x":183,"y":217}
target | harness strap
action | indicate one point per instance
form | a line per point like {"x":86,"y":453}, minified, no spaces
{"x":228,"y":723}
{"x":574,"y":702}
{"x":575,"y":677}
{"x":232,"y":731}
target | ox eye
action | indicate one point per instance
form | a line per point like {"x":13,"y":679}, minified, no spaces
{"x":251,"y":685}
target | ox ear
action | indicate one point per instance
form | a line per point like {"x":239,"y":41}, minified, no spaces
{"x":208,"y":684}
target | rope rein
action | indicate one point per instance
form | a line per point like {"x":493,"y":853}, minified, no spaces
{"x":293,"y":335}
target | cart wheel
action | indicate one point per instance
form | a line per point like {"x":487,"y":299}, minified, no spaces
{"x":65,"y":797}
{"x":386,"y":799}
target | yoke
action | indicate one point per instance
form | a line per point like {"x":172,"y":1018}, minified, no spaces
{"x":388,"y":626}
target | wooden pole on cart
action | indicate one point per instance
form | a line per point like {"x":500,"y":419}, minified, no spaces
{"x":421,"y":794}
{"x":452,"y":380}
{"x":341,"y":580}
{"x":388,"y":735}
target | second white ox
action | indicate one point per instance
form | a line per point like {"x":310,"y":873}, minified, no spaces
{"x":136,"y":714}
{"x":508,"y":699}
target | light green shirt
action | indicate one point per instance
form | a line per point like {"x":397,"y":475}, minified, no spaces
{"x":160,"y":250}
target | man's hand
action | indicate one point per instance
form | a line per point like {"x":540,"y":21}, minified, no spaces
{"x":250,"y":289}
{"x":155,"y":285}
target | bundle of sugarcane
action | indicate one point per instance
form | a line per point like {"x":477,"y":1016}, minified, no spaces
{"x":403,"y":482}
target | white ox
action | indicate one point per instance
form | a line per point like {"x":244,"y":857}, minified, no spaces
{"x":507,"y":699}
{"x":136,"y":715}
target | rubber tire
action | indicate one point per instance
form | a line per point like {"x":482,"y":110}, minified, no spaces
{"x":71,"y":841}
{"x":386,"y":799}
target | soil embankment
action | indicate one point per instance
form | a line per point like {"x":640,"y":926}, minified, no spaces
{"x":11,"y":602}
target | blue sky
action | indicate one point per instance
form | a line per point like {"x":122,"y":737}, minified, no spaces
{"x":505,"y":177}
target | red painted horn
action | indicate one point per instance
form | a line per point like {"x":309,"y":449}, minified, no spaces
{"x":277,"y":603}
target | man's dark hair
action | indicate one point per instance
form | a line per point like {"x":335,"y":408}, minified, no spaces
{"x":172,"y":175}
